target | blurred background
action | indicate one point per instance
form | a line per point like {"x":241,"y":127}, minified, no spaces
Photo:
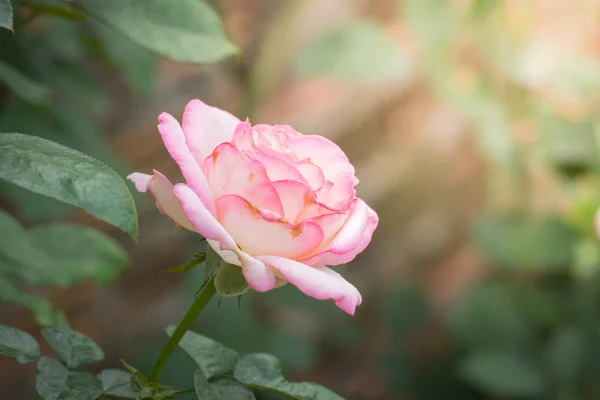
{"x":474,"y":129}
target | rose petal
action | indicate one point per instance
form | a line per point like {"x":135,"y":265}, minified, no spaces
{"x":202,"y":220}
{"x":162,"y":190}
{"x":294,"y":196}
{"x":229,"y":171}
{"x":318,"y":282}
{"x":141,"y":181}
{"x":206,"y":127}
{"x":333,"y":162}
{"x":330,"y":258}
{"x":277,"y":168}
{"x":258,"y":233}
{"x":174,"y":141}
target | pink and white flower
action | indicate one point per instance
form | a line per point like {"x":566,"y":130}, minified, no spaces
{"x":279,"y":204}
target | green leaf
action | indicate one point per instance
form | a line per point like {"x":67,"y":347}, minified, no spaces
{"x":56,"y":8}
{"x":58,"y":254}
{"x":55,"y":382}
{"x":488,"y":315}
{"x":198,"y":259}
{"x":6,"y":14}
{"x":230,"y":281}
{"x":67,"y":175}
{"x":79,"y":252}
{"x":565,"y":353}
{"x":73,"y":347}
{"x":24,"y":87}
{"x":503,"y":374}
{"x":358,"y":51}
{"x":213,"y":262}
{"x":210,"y":356}
{"x":263,"y":371}
{"x":137,"y":64}
{"x":186,"y":30}
{"x":43,"y":311}
{"x":18,"y":344}
{"x":533,"y":244}
{"x":116,"y":382}
{"x":224,"y":388}
{"x":140,"y":387}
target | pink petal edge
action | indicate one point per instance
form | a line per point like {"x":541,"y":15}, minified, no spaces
{"x":318,"y":282}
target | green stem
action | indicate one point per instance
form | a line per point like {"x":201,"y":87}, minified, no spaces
{"x":188,"y":319}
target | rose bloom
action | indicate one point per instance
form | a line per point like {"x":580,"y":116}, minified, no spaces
{"x":279,"y":204}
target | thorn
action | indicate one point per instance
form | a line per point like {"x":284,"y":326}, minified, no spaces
{"x":219,"y":303}
{"x":239,"y":302}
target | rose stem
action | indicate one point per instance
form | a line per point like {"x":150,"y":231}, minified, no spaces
{"x":188,"y":319}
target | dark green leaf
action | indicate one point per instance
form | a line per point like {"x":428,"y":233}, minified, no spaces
{"x":79,"y":252}
{"x":204,"y":390}
{"x":225,"y":388}
{"x":140,"y":387}
{"x":565,"y":354}
{"x":18,"y":344}
{"x":57,"y":8}
{"x":42,"y":309}
{"x":263,"y":371}
{"x":230,"y":281}
{"x":73,"y":347}
{"x":137,"y":64}
{"x":210,"y":356}
{"x":186,"y":30}
{"x":22,"y":86}
{"x":6,"y":14}
{"x":56,"y":171}
{"x":116,"y":382}
{"x":488,"y":315}
{"x":58,"y":254}
{"x":512,"y":243}
{"x":358,"y":51}
{"x":55,"y":382}
{"x":504,"y":374}
{"x":229,"y":388}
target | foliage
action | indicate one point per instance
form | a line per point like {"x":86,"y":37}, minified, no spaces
{"x":220,"y":375}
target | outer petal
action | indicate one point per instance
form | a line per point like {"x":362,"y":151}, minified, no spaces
{"x":174,"y":140}
{"x":162,"y":190}
{"x":257,"y":232}
{"x":318,"y":282}
{"x":202,"y":220}
{"x":229,"y":171}
{"x":330,"y":258}
{"x":260,"y":277}
{"x":206,"y":127}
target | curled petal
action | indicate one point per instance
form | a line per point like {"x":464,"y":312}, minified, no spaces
{"x":329,"y":258}
{"x":318,"y":282}
{"x":258,"y":275}
{"x":333,"y":162}
{"x":206,"y":127}
{"x":174,"y":140}
{"x":277,"y":168}
{"x":229,"y":171}
{"x":201,"y":219}
{"x":294,"y":195}
{"x":257,"y":232}
{"x":162,"y":190}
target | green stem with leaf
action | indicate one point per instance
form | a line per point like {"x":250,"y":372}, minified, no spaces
{"x":188,"y":319}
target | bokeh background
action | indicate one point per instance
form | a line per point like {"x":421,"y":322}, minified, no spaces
{"x":474,"y":129}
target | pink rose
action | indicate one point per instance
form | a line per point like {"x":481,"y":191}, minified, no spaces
{"x":280,"y":204}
